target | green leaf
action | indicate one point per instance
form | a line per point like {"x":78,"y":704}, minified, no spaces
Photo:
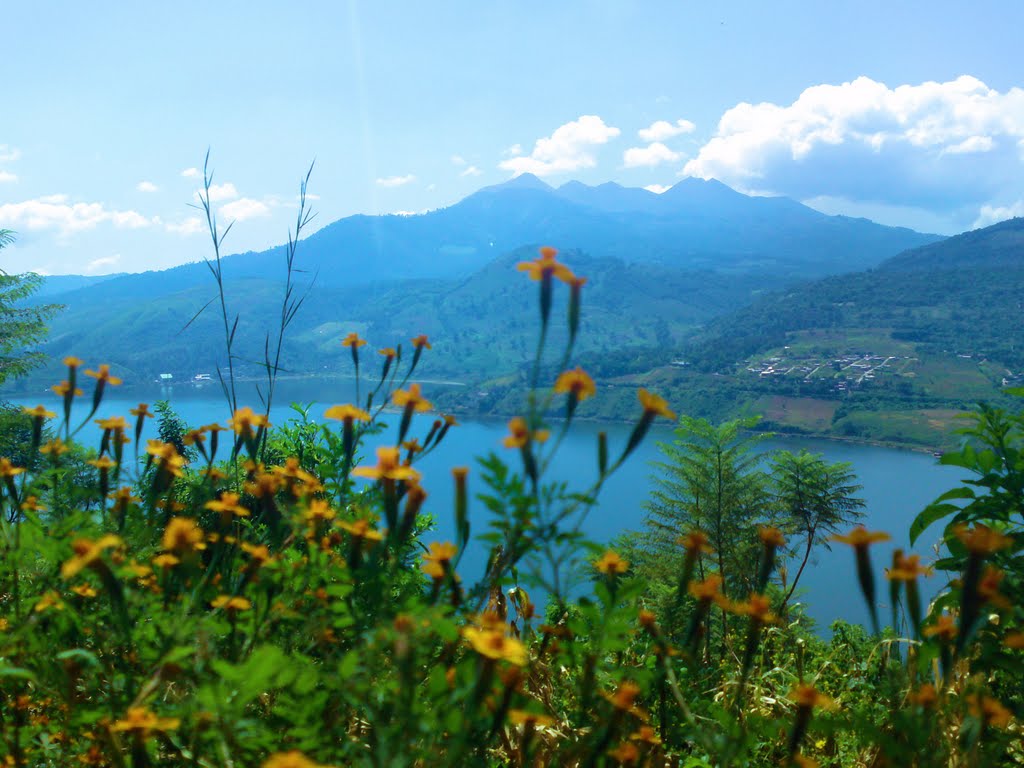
{"x":929,"y":515}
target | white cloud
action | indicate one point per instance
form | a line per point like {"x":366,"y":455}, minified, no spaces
{"x":567,"y":149}
{"x":191,"y":173}
{"x":657,"y":188}
{"x":991,"y":214}
{"x":244,"y":208}
{"x":471,"y":170}
{"x":105,"y":261}
{"x":514,"y":151}
{"x":663,"y":129}
{"x":396,"y":181}
{"x":146,"y":186}
{"x":9,"y":154}
{"x":648,"y":157}
{"x":220,"y":192}
{"x":193,"y":225}
{"x":940,"y":146}
{"x":458,"y":160}
{"x":55,"y":212}
{"x":7,"y":176}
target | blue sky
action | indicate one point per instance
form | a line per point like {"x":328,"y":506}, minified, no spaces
{"x":908,"y":113}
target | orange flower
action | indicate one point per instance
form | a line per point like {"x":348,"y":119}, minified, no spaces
{"x":87,"y":553}
{"x":141,"y":412}
{"x":141,"y":722}
{"x":388,"y":467}
{"x":73,"y":362}
{"x":861,"y":538}
{"x":696,"y":541}
{"x":412,"y":399}
{"x":64,"y":388}
{"x":532,"y":719}
{"x":292,"y":759}
{"x":495,"y":644}
{"x":707,"y":590}
{"x":925,"y":696}
{"x":245,"y":420}
{"x":113,"y":423}
{"x":39,"y":412}
{"x":8,"y":470}
{"x":103,"y":374}
{"x":546,"y":266}
{"x":228,"y":504}
{"x":771,"y":536}
{"x":421,"y":341}
{"x":576,"y":382}
{"x":231,"y":603}
{"x":654,"y":405}
{"x":167,"y":457}
{"x":758,"y":608}
{"x":908,"y":568}
{"x":808,"y":696}
{"x":944,"y":628}
{"x":520,"y":434}
{"x":361,"y":529}
{"x":353,"y":340}
{"x":182,"y":534}
{"x":388,"y":352}
{"x":990,"y":710}
{"x":55,"y":447}
{"x":626,"y":753}
{"x":611,"y":564}
{"x":982,"y":540}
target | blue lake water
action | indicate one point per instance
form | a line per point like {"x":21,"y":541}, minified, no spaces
{"x":897,"y":484}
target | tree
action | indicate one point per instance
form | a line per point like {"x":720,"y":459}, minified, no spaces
{"x":711,"y":481}
{"x":816,"y":500}
{"x":21,"y":324}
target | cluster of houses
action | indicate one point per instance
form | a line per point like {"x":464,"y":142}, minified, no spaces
{"x":846,"y":371}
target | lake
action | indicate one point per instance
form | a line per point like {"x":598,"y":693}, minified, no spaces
{"x":897,"y":484}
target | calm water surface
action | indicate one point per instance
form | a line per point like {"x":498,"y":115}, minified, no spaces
{"x":897,"y":484}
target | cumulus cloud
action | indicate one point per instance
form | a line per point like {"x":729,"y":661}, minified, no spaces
{"x":56,"y":212}
{"x":471,"y":170}
{"x":220,"y":192}
{"x":937,"y":145}
{"x":104,"y":261}
{"x":9,"y":154}
{"x":191,"y":173}
{"x":243,"y":208}
{"x":663,"y":129}
{"x":649,"y":156}
{"x":146,"y":186}
{"x":7,"y":176}
{"x":396,"y":181}
{"x":514,"y":151}
{"x":993,"y":214}
{"x":657,"y":188}
{"x":193,"y":225}
{"x":567,"y":149}
{"x":458,"y":160}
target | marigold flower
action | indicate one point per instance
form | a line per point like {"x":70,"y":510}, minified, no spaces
{"x":944,"y":628}
{"x":576,"y":382}
{"x":84,"y":590}
{"x":8,"y":470}
{"x":87,"y":552}
{"x":388,"y":467}
{"x":758,"y":608}
{"x":988,"y":588}
{"x":32,"y":504}
{"x":64,"y":388}
{"x":194,"y":437}
{"x":103,"y":374}
{"x":361,"y":529}
{"x":611,"y":564}
{"x":412,"y":399}
{"x":520,"y":434}
{"x":142,"y":411}
{"x":347,"y":413}
{"x":293,"y":759}
{"x":625,"y":753}
{"x":625,"y":695}
{"x":56,"y":447}
{"x":388,"y":352}
{"x":546,"y":266}
{"x":804,"y":695}
{"x":861,"y":538}
{"x":990,"y":710}
{"x":73,"y":362}
{"x":771,"y":536}
{"x":925,"y":696}
{"x":421,"y":341}
{"x":258,"y":552}
{"x":654,"y":405}
{"x":908,"y":568}
{"x":532,"y":719}
{"x":495,"y":644}
{"x":113,"y":423}
{"x":103,"y":463}
{"x":709,"y":589}
{"x":438,"y":560}
{"x":165,"y":561}
{"x":167,"y":457}
{"x":228,"y":504}
{"x":646,"y":734}
{"x":39,"y":412}
{"x":982,"y":540}
{"x":245,"y":420}
{"x":696,"y":541}
{"x":141,"y":722}
{"x":353,"y":340}
{"x":182,"y":534}
{"x":49,"y":600}
{"x":231,"y":603}
{"x":1014,"y":640}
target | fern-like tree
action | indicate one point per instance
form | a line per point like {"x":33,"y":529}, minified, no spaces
{"x":710,"y":480}
{"x":815,"y":499}
{"x":21,"y":324}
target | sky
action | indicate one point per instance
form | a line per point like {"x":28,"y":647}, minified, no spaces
{"x":908,"y":113}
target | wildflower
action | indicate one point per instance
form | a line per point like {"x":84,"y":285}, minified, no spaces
{"x":521,"y":436}
{"x":925,"y":696}
{"x":388,"y":352}
{"x":361,"y":529}
{"x":104,"y":463}
{"x":141,"y":412}
{"x":654,"y":405}
{"x":319,"y":511}
{"x":576,"y":383}
{"x":49,"y":600}
{"x":32,"y":504}
{"x":695,"y":541}
{"x":103,"y":375}
{"x":807,"y":696}
{"x":437,"y":562}
{"x":1014,"y":640}
{"x":227,"y":505}
{"x":646,"y":734}
{"x":182,"y":534}
{"x":167,"y":457}
{"x":860,"y":538}
{"x":87,"y":554}
{"x":293,"y":759}
{"x":990,"y":710}
{"x":988,"y":588}
{"x":258,"y":552}
{"x":530,"y":719}
{"x":353,"y":341}
{"x":908,"y":568}
{"x":346,"y":413}
{"x":64,"y":389}
{"x":626,"y":753}
{"x":8,"y":470}
{"x":421,"y":341}
{"x":546,"y":266}
{"x":231,"y":603}
{"x":758,"y":608}
{"x":982,"y":540}
{"x":245,"y":419}
{"x":625,"y":695}
{"x":496,"y":644}
{"x":388,"y":467}
{"x":73,"y":362}
{"x":707,"y":590}
{"x":39,"y":412}
{"x":55,"y":447}
{"x":141,"y":722}
{"x":165,"y":561}
{"x":84,"y":590}
{"x":944,"y":628}
{"x":113,"y":423}
{"x":195,"y":437}
{"x":412,"y":399}
{"x":771,"y":536}
{"x":611,"y":564}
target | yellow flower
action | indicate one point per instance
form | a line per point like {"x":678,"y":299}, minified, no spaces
{"x":546,"y":266}
{"x":103,"y":463}
{"x":39,"y":412}
{"x":436,"y":562}
{"x":49,"y":600}
{"x":182,"y":534}
{"x":925,"y":696}
{"x":245,"y":419}
{"x":758,"y":608}
{"x":167,"y":457}
{"x":228,"y":504}
{"x":576,"y":382}
{"x":291,"y":759}
{"x":87,"y":553}
{"x":141,"y":412}
{"x":64,"y":388}
{"x":646,"y":734}
{"x":166,"y":561}
{"x":982,"y":540}
{"x":346,"y":413}
{"x":388,"y":467}
{"x":626,"y":753}
{"x":231,"y":603}
{"x":258,"y":552}
{"x":654,"y":405}
{"x":861,"y":538}
{"x":908,"y":568}
{"x":361,"y":529}
{"x":807,"y":696}
{"x":113,"y":423}
{"x":611,"y":564}
{"x":103,"y":374}
{"x":8,"y":470}
{"x":84,"y":590}
{"x":944,"y":628}
{"x":412,"y":399}
{"x":496,"y":644}
{"x":771,"y":536}
{"x":421,"y":341}
{"x":707,"y":590}
{"x":140,"y":722}
{"x":990,"y":710}
{"x":4,"y":624}
{"x":388,"y":352}
{"x":55,"y":447}
{"x":696,"y":541}
{"x":533,"y":719}
{"x":353,"y":340}
{"x":73,"y":362}
{"x":520,"y":434}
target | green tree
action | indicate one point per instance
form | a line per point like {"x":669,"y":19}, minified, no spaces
{"x":815,"y":498}
{"x":710,"y":480}
{"x":21,"y":324}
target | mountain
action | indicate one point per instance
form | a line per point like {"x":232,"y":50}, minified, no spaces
{"x":54,"y":285}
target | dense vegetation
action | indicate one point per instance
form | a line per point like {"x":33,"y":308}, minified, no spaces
{"x":246,"y":595}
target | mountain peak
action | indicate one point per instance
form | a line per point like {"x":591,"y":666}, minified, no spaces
{"x":525,"y":181}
